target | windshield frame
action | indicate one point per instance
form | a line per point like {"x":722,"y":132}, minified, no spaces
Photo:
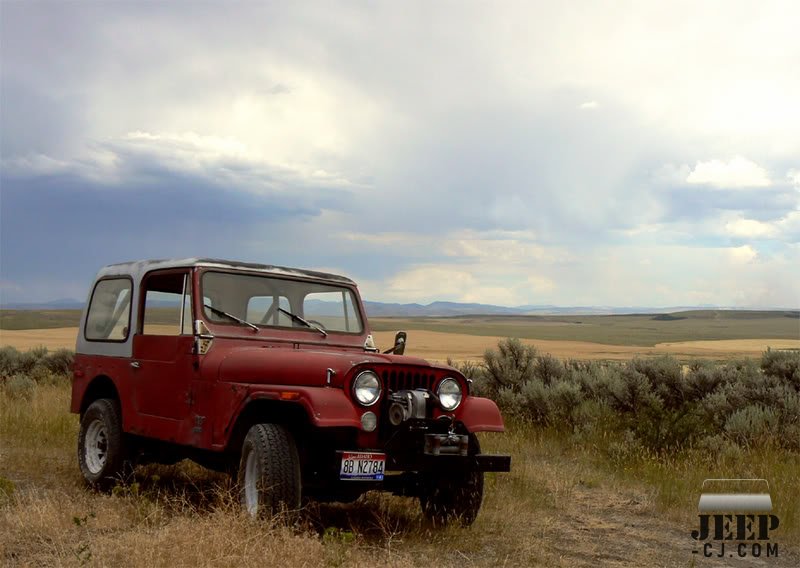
{"x":355,"y":299}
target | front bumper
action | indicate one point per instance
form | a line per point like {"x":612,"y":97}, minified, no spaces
{"x":451,"y":463}
{"x":442,"y":463}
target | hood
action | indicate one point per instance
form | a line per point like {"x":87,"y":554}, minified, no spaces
{"x":286,"y":366}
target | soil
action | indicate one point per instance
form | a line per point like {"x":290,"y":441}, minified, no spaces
{"x":604,"y":527}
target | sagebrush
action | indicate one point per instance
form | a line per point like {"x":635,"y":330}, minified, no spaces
{"x":656,"y":403}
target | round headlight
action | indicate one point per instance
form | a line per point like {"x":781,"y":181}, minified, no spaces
{"x":449,"y":393}
{"x":367,"y":388}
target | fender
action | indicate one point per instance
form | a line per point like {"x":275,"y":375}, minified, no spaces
{"x":480,"y":415}
{"x":325,"y":407}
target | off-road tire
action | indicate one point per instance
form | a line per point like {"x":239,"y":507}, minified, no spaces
{"x":453,"y":497}
{"x":269,"y":472}
{"x":102,"y":454}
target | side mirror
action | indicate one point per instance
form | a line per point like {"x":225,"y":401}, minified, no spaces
{"x":399,"y":344}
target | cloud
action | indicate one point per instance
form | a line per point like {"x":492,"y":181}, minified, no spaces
{"x":735,"y":173}
{"x":270,"y":133}
{"x":742,"y":255}
{"x":750,"y":228}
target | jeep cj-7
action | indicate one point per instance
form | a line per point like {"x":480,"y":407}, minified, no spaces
{"x":270,"y":374}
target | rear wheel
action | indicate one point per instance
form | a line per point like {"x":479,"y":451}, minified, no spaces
{"x":453,"y":497}
{"x":101,"y":444}
{"x":269,"y":471}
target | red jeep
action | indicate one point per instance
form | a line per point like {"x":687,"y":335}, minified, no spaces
{"x":270,"y":374}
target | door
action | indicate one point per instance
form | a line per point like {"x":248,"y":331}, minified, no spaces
{"x":163,"y":363}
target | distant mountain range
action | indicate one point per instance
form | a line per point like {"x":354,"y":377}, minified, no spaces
{"x":441,"y":309}
{"x":445,"y":309}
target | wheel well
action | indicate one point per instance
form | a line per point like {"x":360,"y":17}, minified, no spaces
{"x":291,"y":415}
{"x":100,"y":387}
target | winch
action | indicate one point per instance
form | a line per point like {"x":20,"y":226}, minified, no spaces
{"x":407,"y":405}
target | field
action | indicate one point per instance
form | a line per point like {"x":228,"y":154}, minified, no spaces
{"x":560,"y":506}
{"x":717,"y":335}
{"x":573,"y":498}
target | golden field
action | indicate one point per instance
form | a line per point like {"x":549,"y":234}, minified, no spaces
{"x":439,"y":346}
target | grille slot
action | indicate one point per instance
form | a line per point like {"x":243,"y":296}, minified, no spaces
{"x":397,"y":380}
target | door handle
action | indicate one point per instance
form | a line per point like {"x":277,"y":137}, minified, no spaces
{"x":135,"y":364}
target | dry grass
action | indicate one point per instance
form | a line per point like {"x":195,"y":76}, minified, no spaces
{"x":560,"y":506}
{"x":438,"y":346}
{"x":24,"y":339}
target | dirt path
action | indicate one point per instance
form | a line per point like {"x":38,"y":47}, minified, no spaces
{"x":600,"y":526}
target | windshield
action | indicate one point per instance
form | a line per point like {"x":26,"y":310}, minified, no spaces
{"x":267,"y":301}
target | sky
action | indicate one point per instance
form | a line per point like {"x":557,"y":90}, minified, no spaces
{"x":621,"y":153}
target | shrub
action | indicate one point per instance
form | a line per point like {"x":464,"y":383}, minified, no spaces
{"x":536,"y":402}
{"x":19,"y":387}
{"x":548,"y":369}
{"x":702,"y":379}
{"x":59,"y":362}
{"x":782,"y":364}
{"x":666,"y":379}
{"x":30,"y":358}
{"x":565,"y":397}
{"x":511,"y":366}
{"x":9,"y":361}
{"x":631,"y":392}
{"x":651,"y":400}
{"x":37,"y":363}
{"x":752,"y":424}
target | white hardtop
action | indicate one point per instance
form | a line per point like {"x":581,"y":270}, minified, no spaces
{"x":138,"y":268}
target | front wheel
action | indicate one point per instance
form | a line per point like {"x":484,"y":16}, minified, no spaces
{"x":101,"y":444}
{"x":453,"y":496}
{"x":269,"y":471}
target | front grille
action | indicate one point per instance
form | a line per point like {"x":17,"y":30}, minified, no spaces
{"x":395,"y":380}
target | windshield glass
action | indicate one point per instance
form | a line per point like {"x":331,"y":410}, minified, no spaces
{"x":257,"y":299}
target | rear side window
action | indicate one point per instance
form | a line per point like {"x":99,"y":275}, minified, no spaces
{"x":110,"y":311}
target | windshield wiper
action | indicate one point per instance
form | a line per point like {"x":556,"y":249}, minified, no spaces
{"x":233,"y":317}
{"x":297,"y":318}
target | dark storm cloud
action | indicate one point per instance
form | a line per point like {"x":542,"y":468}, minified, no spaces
{"x":266,"y":131}
{"x":67,"y":224}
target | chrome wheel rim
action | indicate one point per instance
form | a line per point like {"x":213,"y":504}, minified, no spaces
{"x":96,"y":446}
{"x":251,"y":484}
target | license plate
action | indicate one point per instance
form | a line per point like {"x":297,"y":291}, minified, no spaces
{"x":362,"y":466}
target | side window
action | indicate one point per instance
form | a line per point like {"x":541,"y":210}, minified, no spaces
{"x":334,"y":310}
{"x":263,"y":310}
{"x":166,"y":303}
{"x":109,"y":313}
